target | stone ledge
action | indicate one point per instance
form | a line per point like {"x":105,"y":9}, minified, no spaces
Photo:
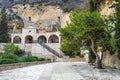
{"x":101,"y":70}
{"x":19,"y":65}
{"x":73,"y":59}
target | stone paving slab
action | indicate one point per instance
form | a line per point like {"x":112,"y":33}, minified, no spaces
{"x":60,"y":71}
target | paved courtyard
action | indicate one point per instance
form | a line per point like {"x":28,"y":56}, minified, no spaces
{"x":60,"y":71}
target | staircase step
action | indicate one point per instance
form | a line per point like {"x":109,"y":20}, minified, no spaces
{"x":51,"y":50}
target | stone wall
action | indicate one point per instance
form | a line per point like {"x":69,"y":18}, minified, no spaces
{"x":19,"y":65}
{"x":111,"y":60}
{"x":73,"y":59}
{"x":1,"y":47}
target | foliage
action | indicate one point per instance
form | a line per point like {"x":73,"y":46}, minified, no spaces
{"x":16,"y":17}
{"x":47,"y":59}
{"x":28,"y":58}
{"x":10,"y":48}
{"x":4,"y":37}
{"x":86,"y":28}
{"x":9,"y":56}
{"x":19,"y":52}
{"x":91,"y":6}
{"x":83,"y":26}
{"x":13,"y":55}
{"x":116,"y":39}
{"x":65,"y":1}
{"x":7,"y":61}
{"x":41,"y":59}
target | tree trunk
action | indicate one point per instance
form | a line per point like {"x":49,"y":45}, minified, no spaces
{"x":99,"y":61}
{"x":96,"y":60}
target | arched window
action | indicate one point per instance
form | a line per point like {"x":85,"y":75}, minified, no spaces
{"x":29,"y":39}
{"x":16,"y":39}
{"x":53,"y":39}
{"x":42,"y":39}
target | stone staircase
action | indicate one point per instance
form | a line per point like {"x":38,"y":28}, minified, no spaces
{"x":51,"y":50}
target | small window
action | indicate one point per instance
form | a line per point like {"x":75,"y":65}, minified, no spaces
{"x":29,"y":18}
{"x":58,"y":18}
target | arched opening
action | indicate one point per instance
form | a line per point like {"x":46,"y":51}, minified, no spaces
{"x":16,"y":39}
{"x":42,"y":39}
{"x":53,"y":39}
{"x":28,"y":39}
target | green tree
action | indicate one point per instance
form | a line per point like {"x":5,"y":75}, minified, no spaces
{"x":86,"y":27}
{"x":4,"y":37}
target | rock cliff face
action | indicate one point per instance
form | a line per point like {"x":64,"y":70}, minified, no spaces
{"x":45,"y":13}
{"x":111,"y":60}
{"x":67,"y":5}
{"x":105,"y":9}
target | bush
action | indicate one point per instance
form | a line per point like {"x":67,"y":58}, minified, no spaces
{"x":9,"y":56}
{"x":10,"y":48}
{"x":47,"y":59}
{"x":19,"y":52}
{"x":28,"y":58}
{"x":1,"y":54}
{"x":65,"y":1}
{"x":7,"y":61}
{"x":41,"y":59}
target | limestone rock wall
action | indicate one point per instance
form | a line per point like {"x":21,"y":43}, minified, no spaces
{"x":42,"y":16}
{"x":105,"y":9}
{"x":111,"y":60}
{"x":26,"y":11}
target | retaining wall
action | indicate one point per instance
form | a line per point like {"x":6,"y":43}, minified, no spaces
{"x":19,"y":65}
{"x":73,"y":59}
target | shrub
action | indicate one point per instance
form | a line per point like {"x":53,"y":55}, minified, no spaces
{"x":19,"y":52}
{"x":1,"y":54}
{"x":47,"y":59}
{"x":41,"y":59}
{"x":28,"y":58}
{"x":6,"y":61}
{"x":65,"y":1}
{"x":9,"y":56}
{"x":10,"y":48}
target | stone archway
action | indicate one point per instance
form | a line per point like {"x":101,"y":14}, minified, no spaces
{"x":16,"y":39}
{"x":42,"y":39}
{"x":28,"y":39}
{"x":53,"y":39}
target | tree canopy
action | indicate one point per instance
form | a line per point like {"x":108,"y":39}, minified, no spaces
{"x":87,"y":28}
{"x":4,"y":37}
{"x":84,"y":26}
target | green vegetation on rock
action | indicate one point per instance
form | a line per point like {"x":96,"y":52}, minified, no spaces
{"x":116,"y":39}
